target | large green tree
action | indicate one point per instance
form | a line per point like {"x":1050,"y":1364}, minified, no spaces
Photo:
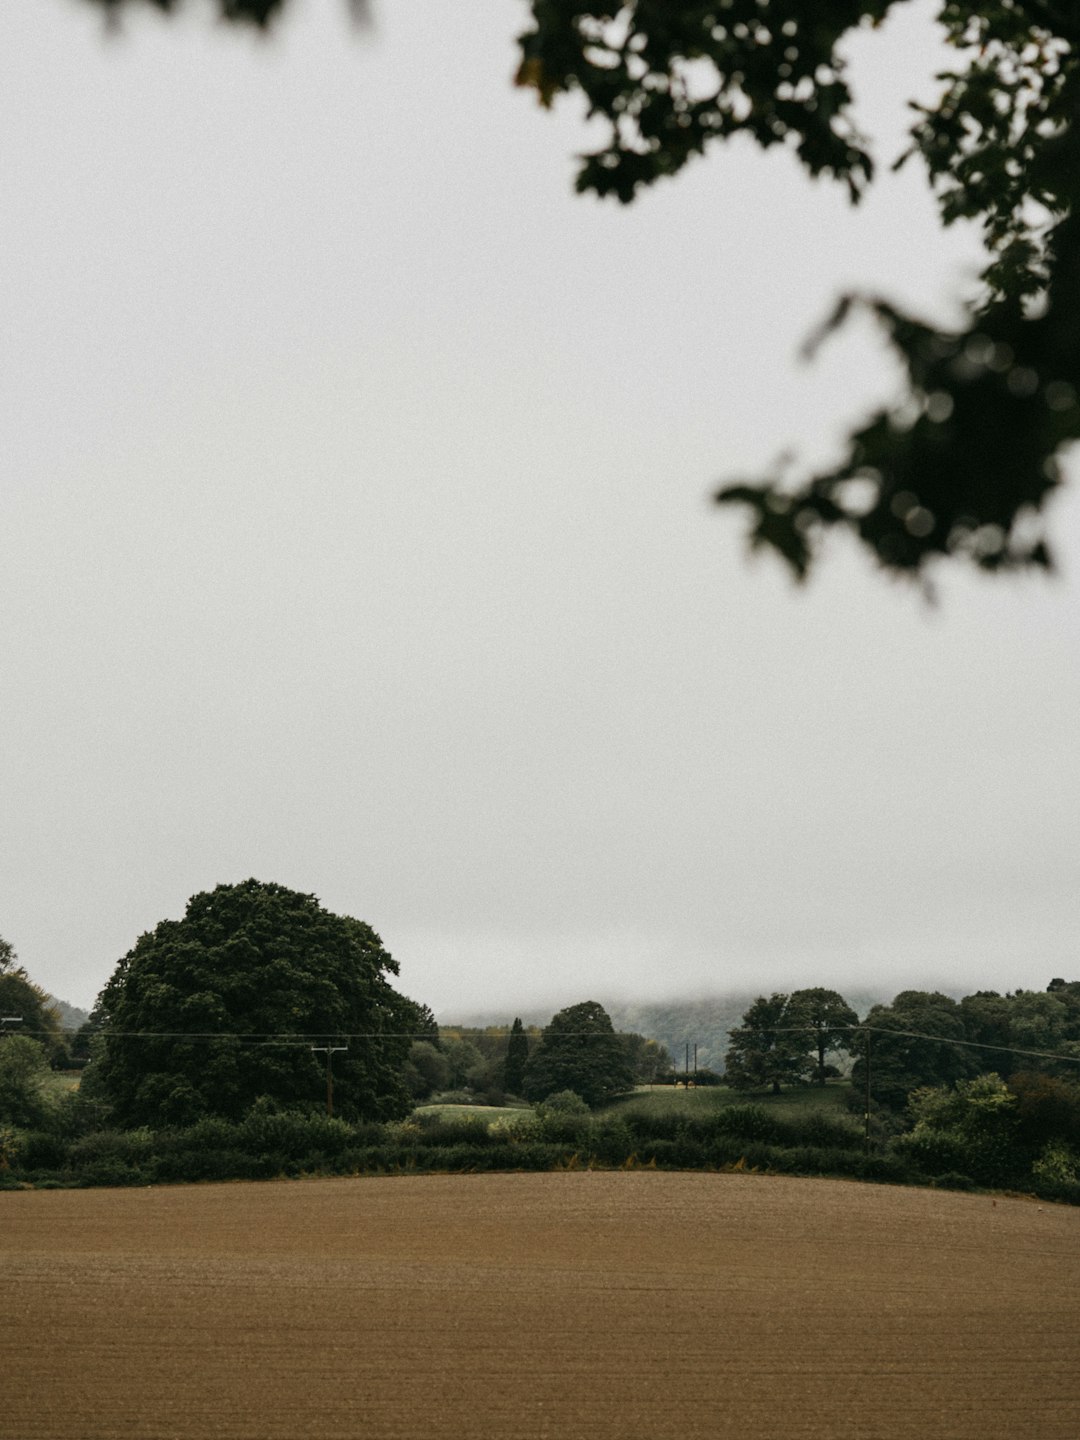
{"x":829,"y":1023}
{"x":917,"y":1041}
{"x":206,"y":1014}
{"x":962,"y":462}
{"x":580,"y":1051}
{"x":768,"y":1049}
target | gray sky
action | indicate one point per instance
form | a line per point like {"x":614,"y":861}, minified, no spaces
{"x":354,"y":535}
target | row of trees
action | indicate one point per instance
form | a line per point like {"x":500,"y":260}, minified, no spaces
{"x":578,"y":1050}
{"x":922,"y":1039}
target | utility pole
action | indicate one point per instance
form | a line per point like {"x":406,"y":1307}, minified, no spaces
{"x":331,"y":1051}
{"x":867,"y":1116}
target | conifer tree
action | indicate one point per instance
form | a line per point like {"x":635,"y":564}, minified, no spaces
{"x":517,"y":1053}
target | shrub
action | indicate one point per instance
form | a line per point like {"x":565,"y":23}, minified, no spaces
{"x":111,"y":1147}
{"x":953,"y":1180}
{"x":750,"y":1122}
{"x":818,"y":1127}
{"x":564,"y":1117}
{"x":42,"y":1150}
{"x":292,"y":1133}
{"x":1056,"y":1172}
{"x":654,"y":1124}
{"x":10,"y":1146}
{"x":612,"y":1142}
{"x":463,"y":1131}
{"x":110,"y":1170}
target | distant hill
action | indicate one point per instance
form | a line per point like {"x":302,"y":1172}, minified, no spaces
{"x":71,"y":1017}
{"x":704,"y":1022}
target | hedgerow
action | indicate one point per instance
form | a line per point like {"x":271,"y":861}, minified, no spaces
{"x":268,"y":1143}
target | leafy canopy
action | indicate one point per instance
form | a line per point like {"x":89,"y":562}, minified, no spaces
{"x":579,"y":1051}
{"x":962,"y":463}
{"x":828,"y":1022}
{"x":23,"y":1075}
{"x":767,"y":1050}
{"x":207,"y":1014}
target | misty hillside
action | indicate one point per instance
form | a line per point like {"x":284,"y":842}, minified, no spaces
{"x":71,"y":1017}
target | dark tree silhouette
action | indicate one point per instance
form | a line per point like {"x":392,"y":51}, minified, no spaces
{"x":829,"y":1022}
{"x":580,"y":1051}
{"x":768,"y":1050}
{"x":208,"y":1013}
{"x":517,"y":1054}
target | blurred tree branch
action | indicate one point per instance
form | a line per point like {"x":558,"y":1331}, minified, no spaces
{"x":963,"y":463}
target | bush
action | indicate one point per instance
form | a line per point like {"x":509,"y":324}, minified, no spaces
{"x":1056,"y":1173}
{"x":564,"y":1116}
{"x":818,"y":1127}
{"x":750,"y":1122}
{"x":114,"y":1172}
{"x":291,"y":1133}
{"x":111,"y":1147}
{"x":42,"y":1150}
{"x":465,"y":1130}
{"x":612,"y":1143}
{"x":654,"y":1124}
{"x":953,"y":1180}
{"x":10,"y":1146}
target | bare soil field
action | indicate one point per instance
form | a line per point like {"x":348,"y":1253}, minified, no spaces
{"x":583,"y":1304}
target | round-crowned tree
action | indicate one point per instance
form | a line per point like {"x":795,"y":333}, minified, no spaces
{"x":207,"y":1014}
{"x":579,"y":1051}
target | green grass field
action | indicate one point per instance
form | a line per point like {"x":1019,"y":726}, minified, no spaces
{"x":475,"y":1112}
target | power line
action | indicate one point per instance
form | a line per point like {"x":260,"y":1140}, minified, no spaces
{"x":304,"y":1037}
{"x":919,"y":1035}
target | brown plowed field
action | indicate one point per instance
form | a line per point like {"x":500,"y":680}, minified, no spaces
{"x":596,"y":1305}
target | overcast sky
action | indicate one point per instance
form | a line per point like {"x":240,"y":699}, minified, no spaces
{"x":355,"y":536}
